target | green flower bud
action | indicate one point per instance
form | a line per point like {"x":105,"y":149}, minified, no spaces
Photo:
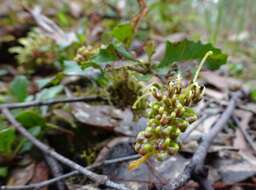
{"x":168,"y":130}
{"x":155,"y":107}
{"x":158,"y":130}
{"x":161,"y":156}
{"x":173,"y":149}
{"x":168,"y":116}
{"x":137,"y":147}
{"x":149,"y":132}
{"x":173,"y":115}
{"x":161,"y":110}
{"x":147,"y":147}
{"x":191,"y":119}
{"x":167,"y":142}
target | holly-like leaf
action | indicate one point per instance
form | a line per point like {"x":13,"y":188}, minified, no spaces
{"x":7,"y":138}
{"x":123,"y":33}
{"x":190,"y":50}
{"x":19,"y":88}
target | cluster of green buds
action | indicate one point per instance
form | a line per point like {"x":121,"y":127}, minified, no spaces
{"x":84,"y":53}
{"x":169,"y":114}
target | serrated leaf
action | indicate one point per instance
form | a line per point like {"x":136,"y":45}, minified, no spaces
{"x":7,"y":138}
{"x":123,"y":33}
{"x":19,"y":88}
{"x":190,"y":50}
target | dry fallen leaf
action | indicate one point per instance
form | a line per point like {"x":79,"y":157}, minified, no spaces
{"x":237,"y":172}
{"x":21,"y":175}
{"x":220,"y":82}
{"x":41,"y":173}
{"x":239,"y":141}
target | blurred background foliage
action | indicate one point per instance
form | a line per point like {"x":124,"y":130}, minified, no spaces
{"x":228,"y":24}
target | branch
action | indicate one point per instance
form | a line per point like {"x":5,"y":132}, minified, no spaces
{"x":143,"y":11}
{"x":56,"y":171}
{"x":50,"y":102}
{"x":195,"y":166}
{"x":56,"y":179}
{"x":184,"y":136}
{"x":100,"y":179}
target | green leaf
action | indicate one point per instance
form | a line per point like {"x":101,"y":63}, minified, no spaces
{"x":41,"y":83}
{"x":105,"y":55}
{"x":253,"y":95}
{"x":112,"y":52}
{"x":72,"y":68}
{"x":7,"y":138}
{"x":122,"y":52}
{"x":49,"y":93}
{"x":123,"y":33}
{"x":19,"y":88}
{"x":189,"y":50}
{"x":27,"y":145}
{"x":3,"y":171}
{"x":30,"y":119}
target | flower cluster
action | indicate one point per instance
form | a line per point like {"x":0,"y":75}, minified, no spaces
{"x":168,"y":116}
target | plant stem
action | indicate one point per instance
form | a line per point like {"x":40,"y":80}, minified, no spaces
{"x":201,"y":65}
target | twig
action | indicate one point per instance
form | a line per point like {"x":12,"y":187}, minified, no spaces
{"x":56,"y":171}
{"x":240,"y":106}
{"x":195,"y":166}
{"x":70,"y":174}
{"x":100,"y":179}
{"x":245,"y":134}
{"x":206,"y":183}
{"x":183,"y":138}
{"x":50,"y":102}
{"x":143,"y":11}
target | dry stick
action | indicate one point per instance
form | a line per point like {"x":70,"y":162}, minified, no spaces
{"x":100,"y":179}
{"x":195,"y":167}
{"x":50,"y":102}
{"x":56,"y":170}
{"x":184,"y":137}
{"x":70,"y":174}
{"x":143,"y":11}
{"x":245,"y":134}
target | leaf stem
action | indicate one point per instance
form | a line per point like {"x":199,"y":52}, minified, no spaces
{"x":201,"y":65}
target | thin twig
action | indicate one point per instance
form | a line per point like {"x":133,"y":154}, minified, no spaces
{"x":70,"y":174}
{"x":245,"y":134}
{"x":100,"y":179}
{"x":50,"y":102}
{"x":195,"y":166}
{"x":56,"y":171}
{"x":184,"y":137}
{"x":143,"y":11}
